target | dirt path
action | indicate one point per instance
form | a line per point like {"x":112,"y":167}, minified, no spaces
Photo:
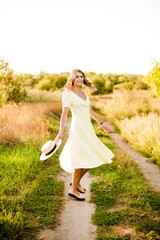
{"x":75,"y":219}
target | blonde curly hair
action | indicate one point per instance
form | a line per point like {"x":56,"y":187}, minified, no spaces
{"x":70,"y":82}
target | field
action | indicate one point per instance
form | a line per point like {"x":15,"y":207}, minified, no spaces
{"x":31,"y":196}
{"x":126,"y":206}
{"x":136,"y":116}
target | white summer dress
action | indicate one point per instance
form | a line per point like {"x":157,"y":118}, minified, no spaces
{"x":83,"y":149}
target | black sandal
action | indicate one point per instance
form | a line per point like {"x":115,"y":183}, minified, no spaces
{"x":80,"y":189}
{"x":75,"y":196}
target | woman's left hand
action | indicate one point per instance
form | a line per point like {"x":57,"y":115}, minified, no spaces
{"x":105,"y":128}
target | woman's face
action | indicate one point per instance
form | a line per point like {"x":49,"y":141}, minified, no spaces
{"x":78,"y":79}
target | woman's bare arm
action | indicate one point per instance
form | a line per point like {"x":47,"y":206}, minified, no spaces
{"x":62,"y":123}
{"x":63,"y":119}
{"x":94,"y":116}
{"x":98,"y":120}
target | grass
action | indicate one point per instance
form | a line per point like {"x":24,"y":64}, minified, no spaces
{"x":26,"y":123}
{"x":125,"y":104}
{"x":35,"y":95}
{"x":126,"y":206}
{"x":137,"y":119}
{"x":30,"y":194}
{"x":144,"y":134}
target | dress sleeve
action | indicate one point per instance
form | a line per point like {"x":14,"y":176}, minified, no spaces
{"x":66,"y":99}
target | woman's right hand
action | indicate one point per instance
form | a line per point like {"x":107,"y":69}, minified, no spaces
{"x":105,"y":127}
{"x":59,"y":136}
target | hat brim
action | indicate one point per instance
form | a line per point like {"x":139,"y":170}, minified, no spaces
{"x":44,"y":157}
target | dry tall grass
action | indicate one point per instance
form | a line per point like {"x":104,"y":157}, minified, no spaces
{"x":125,"y":104}
{"x":138,"y":119}
{"x":143,"y":133}
{"x":24,"y":123}
{"x":35,"y":95}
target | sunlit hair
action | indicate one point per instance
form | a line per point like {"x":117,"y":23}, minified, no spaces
{"x":70,"y":82}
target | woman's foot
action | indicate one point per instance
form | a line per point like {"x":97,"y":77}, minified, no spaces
{"x":80,"y":189}
{"x":76,"y":195}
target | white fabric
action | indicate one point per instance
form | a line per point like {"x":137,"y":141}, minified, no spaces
{"x":83,"y":149}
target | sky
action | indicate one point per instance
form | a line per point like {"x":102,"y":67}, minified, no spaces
{"x":102,"y":36}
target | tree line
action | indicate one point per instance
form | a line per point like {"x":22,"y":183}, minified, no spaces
{"x":14,"y":86}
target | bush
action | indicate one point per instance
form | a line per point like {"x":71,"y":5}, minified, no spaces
{"x":153,"y":79}
{"x":108,"y":86}
{"x":139,"y":84}
{"x":50,"y":81}
{"x":122,"y":79}
{"x":46,"y":85}
{"x":13,"y":90}
{"x":125,"y":85}
{"x":60,"y":81}
{"x":99,"y":84}
{"x":113,"y":78}
{"x":31,"y":80}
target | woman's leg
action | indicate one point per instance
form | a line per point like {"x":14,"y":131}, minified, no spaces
{"x":76,"y":176}
{"x":83,"y":171}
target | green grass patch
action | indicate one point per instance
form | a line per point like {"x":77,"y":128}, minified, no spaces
{"x":30,"y":194}
{"x":123,"y":197}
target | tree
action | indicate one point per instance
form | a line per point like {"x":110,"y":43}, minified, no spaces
{"x":12,"y":90}
{"x":60,"y":81}
{"x":153,"y":79}
{"x":99,"y":83}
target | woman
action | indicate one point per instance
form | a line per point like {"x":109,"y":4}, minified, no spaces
{"x":83,"y":149}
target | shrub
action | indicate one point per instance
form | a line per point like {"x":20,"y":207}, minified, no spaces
{"x":122,"y":78}
{"x":60,"y":81}
{"x":113,"y":78}
{"x":125,"y":85}
{"x":46,"y":85}
{"x":108,"y":86}
{"x":13,"y":90}
{"x":99,"y":84}
{"x":31,"y":80}
{"x":153,"y":79}
{"x":141,"y":86}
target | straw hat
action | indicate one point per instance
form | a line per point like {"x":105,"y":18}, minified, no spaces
{"x":49,"y":148}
